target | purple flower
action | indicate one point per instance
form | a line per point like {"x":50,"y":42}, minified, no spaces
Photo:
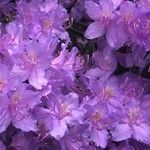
{"x":68,"y":62}
{"x":49,"y":43}
{"x":139,"y":27}
{"x":42,"y":18}
{"x":105,"y":64}
{"x":102,"y":14}
{"x":62,"y":111}
{"x":27,"y":11}
{"x":16,"y":35}
{"x":117,"y":34}
{"x":105,"y":60}
{"x":107,"y":92}
{"x":98,"y":119}
{"x":134,"y":123}
{"x":127,"y":11}
{"x":16,"y":108}
{"x":54,"y":18}
{"x":31,"y":62}
{"x":132,"y":86}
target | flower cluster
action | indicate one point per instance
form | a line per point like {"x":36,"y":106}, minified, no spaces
{"x":74,"y":74}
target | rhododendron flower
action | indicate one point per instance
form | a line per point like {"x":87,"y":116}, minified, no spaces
{"x":102,"y":14}
{"x":140,"y":29}
{"x":42,"y":18}
{"x":117,"y":34}
{"x":97,"y":118}
{"x":61,"y":112}
{"x":16,"y":108}
{"x":133,"y":123}
{"x":105,"y":63}
{"x":127,"y":11}
{"x":29,"y":59}
{"x":68,"y":62}
{"x":132,"y":86}
{"x":107,"y":92}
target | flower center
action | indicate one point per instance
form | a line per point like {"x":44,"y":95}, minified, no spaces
{"x":134,"y":115}
{"x":63,"y":110}
{"x":32,"y":58}
{"x":95,"y":117}
{"x":16,"y":97}
{"x":127,"y":17}
{"x":132,"y":93}
{"x":47,"y":24}
{"x":2,"y":85}
{"x":107,"y":93}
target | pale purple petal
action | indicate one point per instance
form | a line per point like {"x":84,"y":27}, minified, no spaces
{"x":107,"y":7}
{"x":100,"y":137}
{"x":121,"y":132}
{"x":59,"y":129}
{"x":142,"y":133}
{"x":97,"y":73}
{"x":117,"y":3}
{"x":25,"y":124}
{"x":94,"y":30}
{"x":37,"y":79}
{"x":4,"y":119}
{"x":117,"y":35}
{"x":93,"y":9}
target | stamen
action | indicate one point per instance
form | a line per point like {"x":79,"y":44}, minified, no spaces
{"x":2,"y":85}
